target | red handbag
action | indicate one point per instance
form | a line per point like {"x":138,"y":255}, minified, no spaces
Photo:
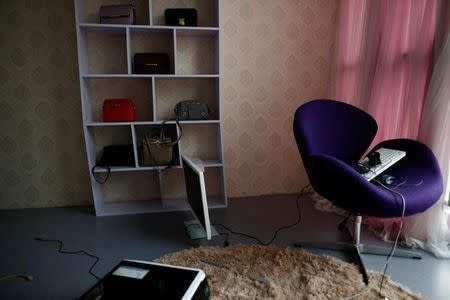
{"x":119,"y":110}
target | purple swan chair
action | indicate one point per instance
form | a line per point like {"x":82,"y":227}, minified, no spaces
{"x":332,"y":136}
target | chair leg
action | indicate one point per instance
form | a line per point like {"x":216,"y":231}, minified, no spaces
{"x":362,"y":267}
{"x":356,"y":248}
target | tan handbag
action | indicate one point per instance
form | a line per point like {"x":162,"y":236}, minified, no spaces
{"x":157,"y":151}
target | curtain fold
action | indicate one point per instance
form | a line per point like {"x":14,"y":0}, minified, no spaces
{"x":430,"y":229}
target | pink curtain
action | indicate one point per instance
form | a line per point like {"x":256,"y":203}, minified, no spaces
{"x":383,"y":54}
{"x":431,"y":229}
{"x":383,"y":61}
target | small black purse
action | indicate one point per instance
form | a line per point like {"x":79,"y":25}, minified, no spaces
{"x":117,"y":155}
{"x":114,"y":156}
{"x":192,"y":110}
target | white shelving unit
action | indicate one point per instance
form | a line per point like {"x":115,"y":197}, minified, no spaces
{"x":105,"y":58}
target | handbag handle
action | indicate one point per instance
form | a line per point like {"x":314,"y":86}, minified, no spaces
{"x":177,"y":122}
{"x":147,"y":145}
{"x":108,"y":170}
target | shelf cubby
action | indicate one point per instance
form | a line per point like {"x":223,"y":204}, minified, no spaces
{"x":196,"y":52}
{"x":90,"y":13}
{"x":106,"y":136}
{"x":131,"y":186}
{"x":168,"y":92}
{"x":172,"y":184}
{"x":106,"y":51}
{"x":201,"y":141}
{"x":130,"y":207}
{"x":129,"y":190}
{"x":214,"y":184}
{"x":170,"y":130}
{"x":148,"y":40}
{"x":138,"y":90}
{"x":207,"y":11}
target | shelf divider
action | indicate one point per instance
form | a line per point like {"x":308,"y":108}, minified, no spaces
{"x":154,"y":98}
{"x":175,"y":52}
{"x":115,"y":27}
{"x":150,"y":12}
{"x":129,"y":61}
{"x":135,"y":146}
{"x":158,"y":122}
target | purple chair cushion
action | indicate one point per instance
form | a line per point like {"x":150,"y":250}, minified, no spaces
{"x":332,"y":136}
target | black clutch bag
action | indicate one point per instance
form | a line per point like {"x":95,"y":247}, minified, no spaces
{"x":192,"y":110}
{"x":117,"y":155}
{"x":151,"y":63}
{"x":114,"y":156}
{"x":181,"y":17}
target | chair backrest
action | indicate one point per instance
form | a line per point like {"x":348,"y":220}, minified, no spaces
{"x":333,"y":128}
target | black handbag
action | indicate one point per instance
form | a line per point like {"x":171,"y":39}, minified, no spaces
{"x":192,"y":110}
{"x":114,"y":156}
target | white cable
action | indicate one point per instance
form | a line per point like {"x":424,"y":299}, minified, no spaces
{"x":403,"y":183}
{"x":391,"y":254}
{"x":394,"y":246}
{"x":398,"y":185}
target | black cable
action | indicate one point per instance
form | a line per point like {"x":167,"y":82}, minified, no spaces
{"x":302,"y":192}
{"x":16,"y":276}
{"x":226,"y":243}
{"x":60,"y":250}
{"x":239,"y":233}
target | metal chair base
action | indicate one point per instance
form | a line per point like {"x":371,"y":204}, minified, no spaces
{"x":356,"y":248}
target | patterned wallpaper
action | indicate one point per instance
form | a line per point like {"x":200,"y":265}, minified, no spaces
{"x":275,"y":56}
{"x":43,"y":160}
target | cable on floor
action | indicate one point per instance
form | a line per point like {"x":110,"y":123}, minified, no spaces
{"x":16,"y":276}
{"x":61,"y":250}
{"x":274,"y":236}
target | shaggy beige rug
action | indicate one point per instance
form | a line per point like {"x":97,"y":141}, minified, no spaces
{"x":259,"y":272}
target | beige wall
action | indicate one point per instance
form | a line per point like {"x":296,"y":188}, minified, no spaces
{"x":43,"y":160}
{"x":275,"y":56}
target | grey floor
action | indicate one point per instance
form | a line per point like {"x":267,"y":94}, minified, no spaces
{"x":148,"y":236}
